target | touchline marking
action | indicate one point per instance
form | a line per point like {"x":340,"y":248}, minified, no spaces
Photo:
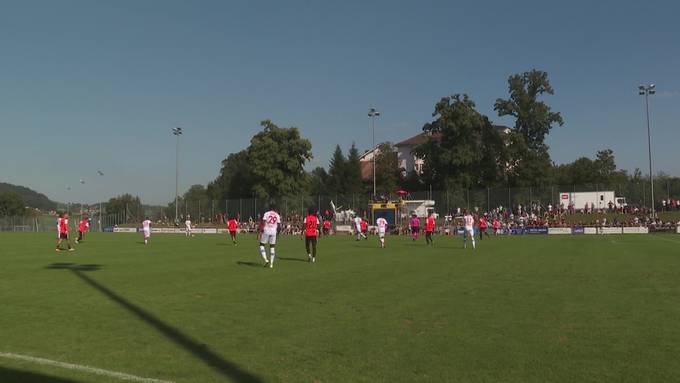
{"x":78,"y":367}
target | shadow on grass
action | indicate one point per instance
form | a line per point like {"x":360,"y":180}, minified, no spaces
{"x":199,"y":350}
{"x":250,"y":264}
{"x":11,"y":375}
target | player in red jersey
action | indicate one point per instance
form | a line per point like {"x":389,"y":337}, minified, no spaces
{"x":62,"y":224}
{"x":311,"y":234}
{"x":429,"y":229}
{"x":327,"y":226}
{"x":496,"y":226}
{"x":83,"y":226}
{"x":364,"y":228}
{"x":483,"y":224}
{"x":232,"y":226}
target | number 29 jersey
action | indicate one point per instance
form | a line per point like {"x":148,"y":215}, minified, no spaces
{"x":271,"y":221}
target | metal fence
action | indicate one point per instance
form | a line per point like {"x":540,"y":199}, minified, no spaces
{"x":208,"y":211}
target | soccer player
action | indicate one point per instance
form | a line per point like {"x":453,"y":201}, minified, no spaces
{"x":357,"y":226}
{"x":270,"y":225}
{"x":496,"y":226}
{"x":415,"y":226}
{"x":232,"y":226}
{"x":429,"y":229}
{"x":63,"y":232}
{"x":327,"y":226}
{"x":382,"y":228}
{"x":468,"y":222}
{"x":483,"y":224}
{"x":187,"y":224}
{"x":83,"y":226}
{"x":311,"y":234}
{"x":146,"y":229}
{"x":364,"y":228}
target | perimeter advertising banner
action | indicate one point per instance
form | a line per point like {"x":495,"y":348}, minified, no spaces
{"x":124,"y":229}
{"x":536,"y":230}
{"x":559,"y":230}
{"x":635,"y":230}
{"x":578,"y":230}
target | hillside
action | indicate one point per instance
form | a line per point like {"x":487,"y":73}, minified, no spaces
{"x":31,"y":197}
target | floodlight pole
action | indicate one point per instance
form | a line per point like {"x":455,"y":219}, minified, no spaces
{"x":373,"y":113}
{"x":646,"y":90}
{"x":177,"y":132}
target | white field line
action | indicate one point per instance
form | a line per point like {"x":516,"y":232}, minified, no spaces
{"x":81,"y":368}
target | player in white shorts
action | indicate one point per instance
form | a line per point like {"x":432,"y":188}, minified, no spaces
{"x":188,"y":229}
{"x":382,"y":228}
{"x":469,"y":223}
{"x":146,"y":229}
{"x":357,"y":227}
{"x":270,"y":226}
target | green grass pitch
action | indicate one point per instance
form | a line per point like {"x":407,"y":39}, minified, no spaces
{"x":517,"y":309}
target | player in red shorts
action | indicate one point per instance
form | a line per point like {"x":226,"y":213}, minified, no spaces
{"x":311,"y":234}
{"x":232,"y":226}
{"x":62,"y":225}
{"x":483,"y":224}
{"x":364,"y":228}
{"x":429,"y":229}
{"x":83,"y":226}
{"x":326,"y":227}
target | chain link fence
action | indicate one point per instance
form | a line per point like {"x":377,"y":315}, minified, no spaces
{"x":216,"y":212}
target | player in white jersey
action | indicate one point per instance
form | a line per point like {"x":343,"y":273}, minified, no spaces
{"x":382,"y":229}
{"x":187,"y":224}
{"x":357,"y":227}
{"x":469,"y":229}
{"x":270,"y":226}
{"x":146,"y":229}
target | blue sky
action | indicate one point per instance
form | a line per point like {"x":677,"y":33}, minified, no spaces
{"x":89,"y":85}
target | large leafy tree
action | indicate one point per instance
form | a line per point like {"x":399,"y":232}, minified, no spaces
{"x":533,"y":118}
{"x":277,"y":157}
{"x":11,"y":204}
{"x":528,"y":154}
{"x":235,"y":178}
{"x":464,"y":150}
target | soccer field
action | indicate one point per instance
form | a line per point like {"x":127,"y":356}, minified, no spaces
{"x":517,"y":309}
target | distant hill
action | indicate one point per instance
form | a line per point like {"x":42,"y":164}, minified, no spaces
{"x":31,"y":197}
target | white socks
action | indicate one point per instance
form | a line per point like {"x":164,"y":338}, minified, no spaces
{"x":263,"y":253}
{"x":272,"y":254}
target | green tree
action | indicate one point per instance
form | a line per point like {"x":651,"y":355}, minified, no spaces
{"x":277,"y":157}
{"x":387,"y":173}
{"x":353,"y":182}
{"x":533,"y":118}
{"x":337,"y":172}
{"x":318,"y":181}
{"x":235,"y":178}
{"x":464,"y":150}
{"x":528,"y":158}
{"x":128,"y":205}
{"x":11,"y":204}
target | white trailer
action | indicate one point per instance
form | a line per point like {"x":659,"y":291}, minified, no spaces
{"x":596,"y":199}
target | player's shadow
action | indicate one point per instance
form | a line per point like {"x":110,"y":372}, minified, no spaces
{"x":74,"y":266}
{"x":196,"y":348}
{"x":250,"y":264}
{"x":13,"y":375}
{"x":293,"y":259}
